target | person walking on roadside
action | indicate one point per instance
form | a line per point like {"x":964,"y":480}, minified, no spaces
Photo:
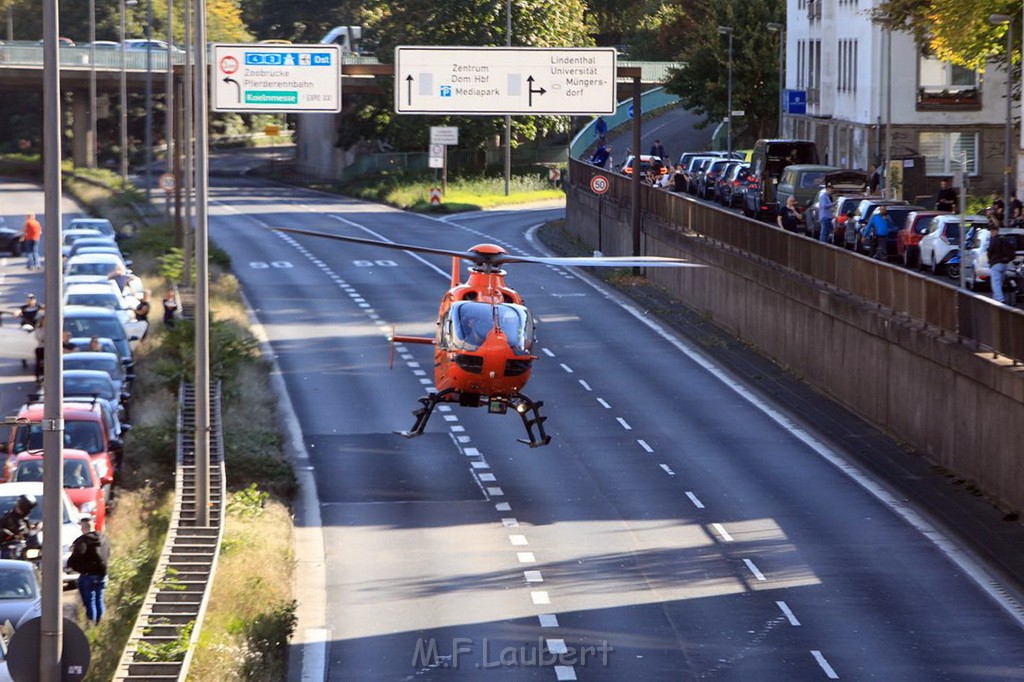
{"x":89,"y":556}
{"x":31,"y":235}
{"x":825,"y":212}
{"x":1001,"y":251}
{"x":170,"y":308}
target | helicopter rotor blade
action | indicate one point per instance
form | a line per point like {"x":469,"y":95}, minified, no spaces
{"x":602,"y":261}
{"x":468,"y":255}
{"x":497,"y":259}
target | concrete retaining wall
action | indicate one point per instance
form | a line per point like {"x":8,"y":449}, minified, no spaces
{"x":960,"y":407}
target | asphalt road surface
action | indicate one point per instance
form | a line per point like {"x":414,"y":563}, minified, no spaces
{"x":678,"y":527}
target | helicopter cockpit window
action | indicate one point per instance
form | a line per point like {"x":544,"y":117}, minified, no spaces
{"x":471,"y":322}
{"x":517,"y":324}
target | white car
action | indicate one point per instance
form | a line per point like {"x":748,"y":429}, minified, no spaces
{"x":943,"y":239}
{"x":93,"y":264}
{"x":69,"y":531}
{"x":106,"y":295}
{"x":73,"y":235}
{"x":101,"y":225}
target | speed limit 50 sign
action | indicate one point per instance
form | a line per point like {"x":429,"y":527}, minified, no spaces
{"x":599,"y":184}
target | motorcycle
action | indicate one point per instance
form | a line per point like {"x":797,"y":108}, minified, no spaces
{"x":26,"y":548}
{"x":1013,"y":282}
{"x":953,"y":266}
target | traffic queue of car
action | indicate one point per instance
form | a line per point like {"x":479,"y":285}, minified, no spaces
{"x":920,"y":238}
{"x":101,"y":330}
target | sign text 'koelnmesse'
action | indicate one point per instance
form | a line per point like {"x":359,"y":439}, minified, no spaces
{"x":276,"y":78}
{"x":504,"y":80}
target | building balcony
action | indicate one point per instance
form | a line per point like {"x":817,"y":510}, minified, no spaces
{"x":948,"y":99}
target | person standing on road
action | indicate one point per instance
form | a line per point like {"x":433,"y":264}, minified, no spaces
{"x":879,"y":227}
{"x":89,"y":556}
{"x":789,"y":218}
{"x":946,"y":199}
{"x":825,"y":212}
{"x":658,"y":149}
{"x":30,"y":241}
{"x":874,"y":180}
{"x":1001,"y":251}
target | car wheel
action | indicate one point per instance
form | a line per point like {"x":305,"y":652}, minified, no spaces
{"x":953,"y":271}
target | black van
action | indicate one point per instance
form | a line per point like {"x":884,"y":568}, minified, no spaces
{"x":767,"y":162}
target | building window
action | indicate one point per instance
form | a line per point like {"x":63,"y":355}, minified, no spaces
{"x":800,"y":59}
{"x":944,"y":152}
{"x":934,"y":74}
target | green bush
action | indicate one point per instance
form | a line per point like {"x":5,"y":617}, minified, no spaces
{"x":266,"y":639}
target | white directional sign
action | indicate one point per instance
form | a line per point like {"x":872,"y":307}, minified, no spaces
{"x":283,"y":78}
{"x":488,"y":81}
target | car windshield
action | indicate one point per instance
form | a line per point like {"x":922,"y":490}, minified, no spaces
{"x":88,"y":327}
{"x":80,"y":435}
{"x":7,"y":503}
{"x":88,"y":385}
{"x":101,"y":268}
{"x":472,"y":322}
{"x":110,"y":365}
{"x":812,"y":180}
{"x":952,"y":232}
{"x":95,"y":300}
{"x":18,"y":584}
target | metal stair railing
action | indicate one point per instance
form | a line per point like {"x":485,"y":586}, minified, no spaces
{"x":167,"y":628}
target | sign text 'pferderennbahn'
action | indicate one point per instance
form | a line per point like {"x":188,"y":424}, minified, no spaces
{"x":504,"y":80}
{"x":283,"y":78}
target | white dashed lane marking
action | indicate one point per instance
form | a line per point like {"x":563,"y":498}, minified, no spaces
{"x":624,"y":423}
{"x":548,"y":353}
{"x":788,"y":613}
{"x":645,"y":446}
{"x":667,"y":469}
{"x":696,"y":502}
{"x":829,"y":672}
{"x":566,"y":367}
{"x":526,"y":557}
{"x":723,"y":533}
{"x":603,"y":403}
{"x":518,"y":540}
{"x":533,"y":576}
{"x":548,"y":620}
{"x":540,"y":597}
{"x":754,"y":569}
{"x":585,"y":385}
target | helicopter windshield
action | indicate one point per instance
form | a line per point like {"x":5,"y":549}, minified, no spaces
{"x":473,"y":321}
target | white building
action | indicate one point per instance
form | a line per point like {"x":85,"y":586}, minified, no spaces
{"x":941,"y":111}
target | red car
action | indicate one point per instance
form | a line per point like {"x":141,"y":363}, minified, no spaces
{"x":81,"y":480}
{"x":85,"y":428}
{"x":909,"y":238}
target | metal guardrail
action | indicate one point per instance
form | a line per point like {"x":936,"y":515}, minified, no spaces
{"x":108,"y":59}
{"x":943,"y":306}
{"x":173,"y":609}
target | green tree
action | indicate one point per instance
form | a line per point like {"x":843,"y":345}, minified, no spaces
{"x":956,"y":32}
{"x":702,"y":84}
{"x":646,"y":29}
{"x":301,"y":21}
{"x":388,"y":23}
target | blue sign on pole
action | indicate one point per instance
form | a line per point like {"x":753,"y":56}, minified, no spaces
{"x":631,"y":111}
{"x":796,"y":101}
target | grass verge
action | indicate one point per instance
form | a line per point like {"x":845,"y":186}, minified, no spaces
{"x":411,"y":192}
{"x":251,"y":615}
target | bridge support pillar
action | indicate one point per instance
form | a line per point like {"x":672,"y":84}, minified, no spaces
{"x":83,"y":146}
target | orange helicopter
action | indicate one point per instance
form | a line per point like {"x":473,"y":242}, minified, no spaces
{"x":483,"y":347}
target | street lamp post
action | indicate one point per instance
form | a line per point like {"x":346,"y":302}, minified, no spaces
{"x":727,"y":30}
{"x":149,"y":98}
{"x":124,"y":92}
{"x":91,"y":155}
{"x":997,"y":19}
{"x":781,"y":30}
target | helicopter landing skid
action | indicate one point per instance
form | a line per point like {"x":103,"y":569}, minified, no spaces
{"x":527,"y":409}
{"x":530,"y":412}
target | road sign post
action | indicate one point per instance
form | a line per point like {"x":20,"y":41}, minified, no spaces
{"x":486,"y":81}
{"x":278,"y":78}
